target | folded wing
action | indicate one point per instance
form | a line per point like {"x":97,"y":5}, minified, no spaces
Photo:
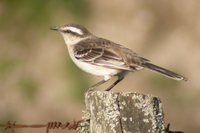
{"x":101,"y":53}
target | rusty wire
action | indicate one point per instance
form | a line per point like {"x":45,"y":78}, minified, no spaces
{"x":49,"y":126}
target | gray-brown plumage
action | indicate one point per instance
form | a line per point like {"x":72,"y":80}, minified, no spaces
{"x":103,"y":57}
{"x":105,"y":53}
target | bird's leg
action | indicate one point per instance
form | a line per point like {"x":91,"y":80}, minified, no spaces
{"x":99,"y":83}
{"x":115,"y":83}
{"x":120,"y":78}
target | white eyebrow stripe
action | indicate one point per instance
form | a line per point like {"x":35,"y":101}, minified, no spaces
{"x":74,"y":29}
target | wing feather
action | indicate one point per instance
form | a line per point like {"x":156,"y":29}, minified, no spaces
{"x":105,"y":53}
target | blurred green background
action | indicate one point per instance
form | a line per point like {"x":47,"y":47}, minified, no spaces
{"x":39,"y":82}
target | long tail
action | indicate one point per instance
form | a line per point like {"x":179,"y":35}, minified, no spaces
{"x":164,"y":71}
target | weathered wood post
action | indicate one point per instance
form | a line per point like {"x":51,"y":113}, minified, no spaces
{"x":123,"y":112}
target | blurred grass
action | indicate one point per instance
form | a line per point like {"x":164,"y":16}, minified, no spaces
{"x":79,"y":81}
{"x":166,"y":84}
{"x":7,"y":64}
{"x":25,"y":13}
{"x":34,"y":13}
{"x":28,"y":88}
{"x":79,"y":8}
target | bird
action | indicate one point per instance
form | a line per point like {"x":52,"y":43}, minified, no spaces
{"x":102,"y":57}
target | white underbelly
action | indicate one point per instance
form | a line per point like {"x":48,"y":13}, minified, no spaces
{"x":95,"y":70}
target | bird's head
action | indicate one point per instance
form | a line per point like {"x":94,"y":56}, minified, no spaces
{"x":72,"y":33}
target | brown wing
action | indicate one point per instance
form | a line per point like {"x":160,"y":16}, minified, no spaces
{"x":105,"y":53}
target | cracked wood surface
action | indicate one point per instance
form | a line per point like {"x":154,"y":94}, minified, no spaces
{"x":124,"y":112}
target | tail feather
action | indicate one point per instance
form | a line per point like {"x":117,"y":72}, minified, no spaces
{"x":164,"y":71}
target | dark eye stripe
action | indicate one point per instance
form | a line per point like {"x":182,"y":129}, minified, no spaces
{"x":66,"y":31}
{"x":71,"y":32}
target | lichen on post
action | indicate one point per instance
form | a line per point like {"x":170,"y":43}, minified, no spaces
{"x":124,"y":112}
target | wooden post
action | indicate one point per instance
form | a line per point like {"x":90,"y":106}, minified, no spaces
{"x":124,"y":112}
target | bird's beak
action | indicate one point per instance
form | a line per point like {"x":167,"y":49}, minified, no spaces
{"x":55,"y":28}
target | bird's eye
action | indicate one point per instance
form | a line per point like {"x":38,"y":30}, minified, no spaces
{"x":66,"y":31}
